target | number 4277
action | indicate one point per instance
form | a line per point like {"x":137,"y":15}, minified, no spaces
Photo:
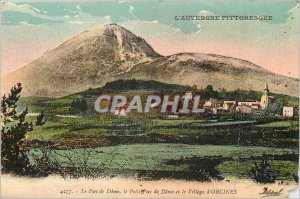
{"x":66,"y":191}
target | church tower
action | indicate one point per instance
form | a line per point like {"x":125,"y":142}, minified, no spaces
{"x":264,"y":100}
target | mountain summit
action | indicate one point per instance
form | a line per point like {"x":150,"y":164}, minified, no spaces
{"x":103,"y":45}
{"x":106,"y":53}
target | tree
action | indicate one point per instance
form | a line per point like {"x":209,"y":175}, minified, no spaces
{"x":209,"y":89}
{"x":276,"y":106}
{"x":296,"y":111}
{"x":12,"y":132}
{"x":194,"y":88}
{"x":40,"y":120}
{"x":252,"y":95}
{"x":79,"y":106}
{"x":209,"y":92}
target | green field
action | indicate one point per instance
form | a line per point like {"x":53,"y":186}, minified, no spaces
{"x":283,"y":169}
{"x":289,"y":123}
{"x":93,"y":126}
{"x":155,"y":157}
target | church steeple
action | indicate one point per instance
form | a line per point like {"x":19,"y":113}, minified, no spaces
{"x":266,"y":88}
{"x":264,"y":101}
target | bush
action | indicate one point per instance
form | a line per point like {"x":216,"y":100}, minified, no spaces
{"x":40,"y":120}
{"x":295,"y":176}
{"x":262,"y":172}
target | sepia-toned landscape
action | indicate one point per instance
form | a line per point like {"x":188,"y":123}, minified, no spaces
{"x":247,"y":133}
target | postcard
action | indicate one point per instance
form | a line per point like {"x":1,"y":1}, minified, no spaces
{"x":150,"y":99}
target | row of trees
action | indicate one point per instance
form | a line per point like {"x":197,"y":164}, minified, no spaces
{"x":210,"y":92}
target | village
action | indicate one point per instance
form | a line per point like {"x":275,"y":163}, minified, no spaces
{"x":246,"y":107}
{"x":215,"y":106}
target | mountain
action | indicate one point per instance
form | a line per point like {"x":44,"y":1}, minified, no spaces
{"x":219,"y":71}
{"x":89,"y":59}
{"x":110,"y":52}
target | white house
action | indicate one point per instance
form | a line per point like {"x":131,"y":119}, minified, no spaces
{"x":213,"y":103}
{"x":251,"y":103}
{"x":288,"y":111}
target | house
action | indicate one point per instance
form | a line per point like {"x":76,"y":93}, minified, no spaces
{"x":244,"y":109}
{"x":228,"y":104}
{"x":288,"y":111}
{"x":213,"y":103}
{"x":251,"y":103}
{"x":247,"y":103}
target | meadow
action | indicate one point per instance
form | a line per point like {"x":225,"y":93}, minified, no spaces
{"x":235,"y":161}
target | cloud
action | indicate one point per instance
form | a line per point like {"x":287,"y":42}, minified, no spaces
{"x":201,"y":24}
{"x":24,"y":8}
{"x":124,"y":1}
{"x":154,"y":21}
{"x":20,"y":14}
{"x":81,"y":22}
{"x":292,"y":24}
{"x":206,"y":13}
{"x":86,"y":18}
{"x":78,"y":8}
{"x":131,"y":8}
{"x":24,"y":23}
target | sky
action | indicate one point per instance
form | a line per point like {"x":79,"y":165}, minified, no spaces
{"x":30,"y":29}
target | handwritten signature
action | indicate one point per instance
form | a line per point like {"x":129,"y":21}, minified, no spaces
{"x":269,"y":192}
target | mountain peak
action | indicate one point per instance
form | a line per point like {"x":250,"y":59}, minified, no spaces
{"x":101,"y":28}
{"x":114,"y":25}
{"x":129,"y":46}
{"x":107,"y":44}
